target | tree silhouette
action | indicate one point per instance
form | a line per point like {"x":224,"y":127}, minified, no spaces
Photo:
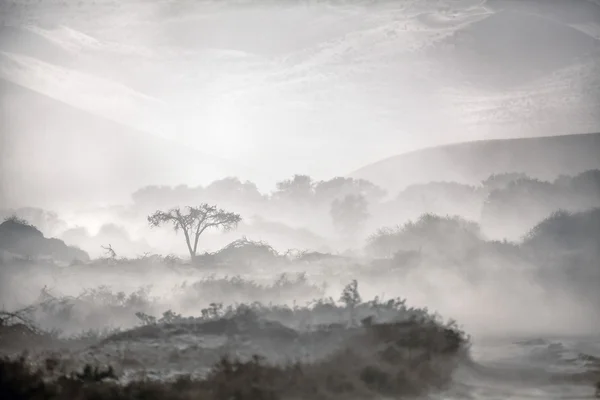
{"x":338,"y":187}
{"x":110,"y":252}
{"x":232,"y":189}
{"x":299,"y":189}
{"x":195,"y":221}
{"x":349,"y":214}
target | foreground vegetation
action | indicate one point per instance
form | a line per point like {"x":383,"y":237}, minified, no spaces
{"x":344,"y":349}
{"x":347,"y":374}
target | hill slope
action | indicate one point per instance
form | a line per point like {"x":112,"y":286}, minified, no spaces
{"x":510,"y":48}
{"x":471,"y":162}
{"x":19,"y":238}
{"x":52,"y":152}
{"x":27,"y":42}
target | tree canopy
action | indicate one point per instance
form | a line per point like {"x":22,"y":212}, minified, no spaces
{"x":349,"y":214}
{"x":194,"y":221}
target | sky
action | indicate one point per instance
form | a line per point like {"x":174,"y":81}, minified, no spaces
{"x":264,"y":90}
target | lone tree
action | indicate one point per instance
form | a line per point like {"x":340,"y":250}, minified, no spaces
{"x":195,"y":221}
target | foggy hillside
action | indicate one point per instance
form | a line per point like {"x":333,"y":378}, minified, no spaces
{"x":510,"y":47}
{"x":75,"y":143}
{"x":472,"y":162}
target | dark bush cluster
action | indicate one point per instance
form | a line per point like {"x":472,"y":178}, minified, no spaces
{"x":377,"y":359}
{"x":362,"y":350}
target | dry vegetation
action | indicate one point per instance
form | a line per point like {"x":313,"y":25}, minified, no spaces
{"x":357,"y":350}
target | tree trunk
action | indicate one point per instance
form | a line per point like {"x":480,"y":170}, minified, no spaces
{"x":189,"y":245}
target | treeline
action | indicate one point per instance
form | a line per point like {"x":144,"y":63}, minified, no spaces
{"x":527,"y":201}
{"x":340,"y":206}
{"x":506,"y":205}
{"x":337,"y":214}
{"x":563,"y":248}
{"x":300,"y":191}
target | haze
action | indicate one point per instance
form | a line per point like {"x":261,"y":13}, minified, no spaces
{"x":182,"y":182}
{"x":264,"y":90}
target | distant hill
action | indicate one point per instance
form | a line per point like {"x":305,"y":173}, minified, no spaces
{"x":16,"y":39}
{"x":510,"y":47}
{"x":574,"y":13}
{"x":53,"y":152}
{"x":471,"y":162}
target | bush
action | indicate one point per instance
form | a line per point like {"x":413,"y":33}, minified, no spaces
{"x":430,"y":234}
{"x":236,"y":289}
{"x":242,"y":252}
